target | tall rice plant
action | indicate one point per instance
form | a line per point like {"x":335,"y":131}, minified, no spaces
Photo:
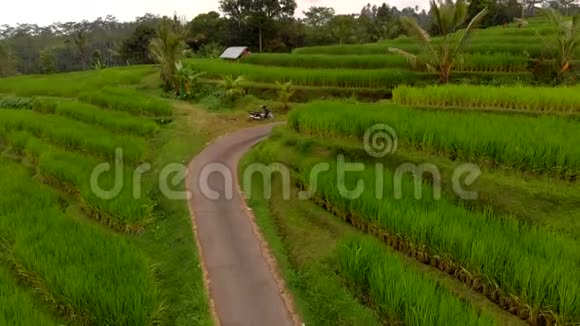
{"x":398,"y":291}
{"x":541,"y":145}
{"x":104,"y":278}
{"x":540,"y":99}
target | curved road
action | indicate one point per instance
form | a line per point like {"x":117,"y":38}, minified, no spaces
{"x":240,"y":273}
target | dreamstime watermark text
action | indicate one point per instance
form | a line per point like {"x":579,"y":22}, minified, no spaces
{"x":351,"y":179}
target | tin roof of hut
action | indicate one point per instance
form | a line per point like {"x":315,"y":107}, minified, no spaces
{"x":234,"y":52}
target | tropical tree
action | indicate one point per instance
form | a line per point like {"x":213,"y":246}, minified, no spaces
{"x":167,"y":49}
{"x":345,"y":29}
{"x":207,"y":28}
{"x":317,"y":25}
{"x":285,"y":92}
{"x":135,"y":49}
{"x":81,"y":39}
{"x":7,"y":62}
{"x":47,"y":61}
{"x":565,"y":40}
{"x":259,"y":15}
{"x":447,"y":17}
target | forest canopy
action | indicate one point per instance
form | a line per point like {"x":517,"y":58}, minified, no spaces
{"x":264,"y":26}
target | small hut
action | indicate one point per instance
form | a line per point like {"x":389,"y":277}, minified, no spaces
{"x":235,"y":53}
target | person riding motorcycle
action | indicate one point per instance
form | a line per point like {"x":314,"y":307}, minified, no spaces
{"x":267,"y":112}
{"x":263,"y":115}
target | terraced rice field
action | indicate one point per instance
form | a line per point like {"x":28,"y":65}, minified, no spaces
{"x":540,"y":145}
{"x":525,"y":268}
{"x":538,"y":99}
{"x":497,"y":62}
{"x":497,"y":55}
{"x":527,"y":41}
{"x":72,"y":254}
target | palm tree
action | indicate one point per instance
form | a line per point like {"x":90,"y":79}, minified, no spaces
{"x":447,"y":17}
{"x":81,"y":40}
{"x":566,"y":40}
{"x":167,"y":49}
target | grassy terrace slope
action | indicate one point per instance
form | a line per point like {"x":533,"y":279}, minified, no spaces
{"x":534,"y":99}
{"x":345,"y":78}
{"x":320,"y":256}
{"x":513,"y":40}
{"x":497,"y":62}
{"x":515,"y":142}
{"x":70,"y":254}
{"x":17,"y":304}
{"x":494,"y":55}
{"x":72,"y":84}
{"x":522,"y":267}
{"x":90,"y":274}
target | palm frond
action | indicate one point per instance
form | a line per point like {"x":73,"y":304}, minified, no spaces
{"x":467,"y":32}
{"x":436,"y":13}
{"x":460,"y":13}
{"x":413,"y":28}
{"x":413,"y":60}
{"x":416,"y":30}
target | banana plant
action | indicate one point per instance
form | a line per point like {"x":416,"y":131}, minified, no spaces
{"x":233,"y":86}
{"x":442,"y":56}
{"x":285,"y":92}
{"x":186,"y":80}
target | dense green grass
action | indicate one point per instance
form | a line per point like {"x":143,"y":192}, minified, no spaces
{"x":128,"y":100}
{"x":489,"y":63}
{"x":535,"y":264}
{"x":13,"y":102}
{"x":157,"y":265}
{"x":123,"y":212}
{"x":543,"y":145}
{"x":540,"y":199}
{"x":565,"y":99}
{"x":74,"y":135}
{"x":400,"y":292}
{"x":99,"y":275}
{"x":309,"y":77}
{"x":112,"y":120}
{"x":495,"y":62}
{"x":307,"y":242}
{"x":18,"y":306}
{"x":303,"y":239}
{"x":169,"y":241}
{"x":327,"y":61}
{"x":341,"y":77}
{"x":74,"y":83}
{"x":534,"y":48}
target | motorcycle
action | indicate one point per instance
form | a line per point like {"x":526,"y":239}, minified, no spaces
{"x":265,"y":114}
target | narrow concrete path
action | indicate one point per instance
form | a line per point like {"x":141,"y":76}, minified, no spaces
{"x":243,"y":284}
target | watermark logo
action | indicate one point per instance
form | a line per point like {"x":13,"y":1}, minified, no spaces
{"x":380,"y":140}
{"x":216,"y":180}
